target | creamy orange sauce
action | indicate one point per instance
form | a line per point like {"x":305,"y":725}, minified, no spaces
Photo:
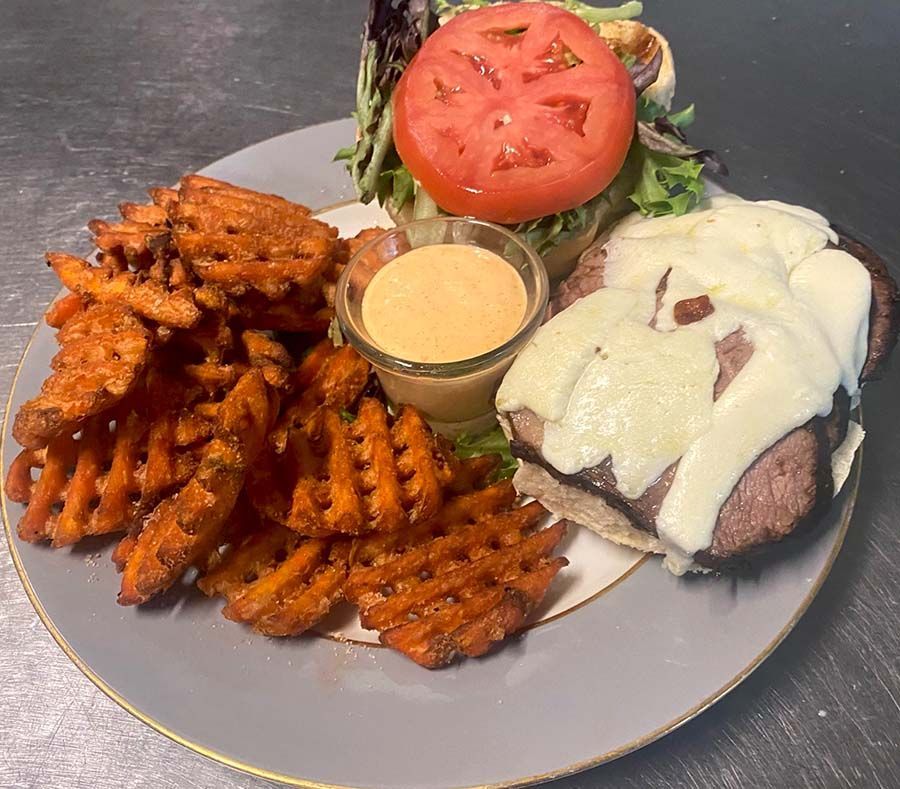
{"x":443,"y":303}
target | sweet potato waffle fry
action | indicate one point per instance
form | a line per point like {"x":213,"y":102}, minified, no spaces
{"x":189,"y":523}
{"x":278,"y":582}
{"x":148,"y":298}
{"x":103,"y":351}
{"x":459,"y":583}
{"x":137,"y":242}
{"x":328,"y":376}
{"x":374,"y":473}
{"x":62,"y":309}
{"x":104,"y":477}
{"x":241,"y":240}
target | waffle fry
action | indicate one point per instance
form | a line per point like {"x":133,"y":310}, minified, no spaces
{"x":328,"y":376}
{"x":188,"y":524}
{"x":459,"y":583}
{"x":147,"y":298}
{"x":96,"y":482}
{"x":289,"y":314}
{"x":213,"y":206}
{"x":152,"y":214}
{"x":165,"y":198}
{"x":268,"y":355}
{"x":378,"y":549}
{"x":173,"y":417}
{"x":137,"y":242}
{"x":371,"y":474}
{"x":279,"y":582}
{"x":103,"y":351}
{"x":241,"y":240}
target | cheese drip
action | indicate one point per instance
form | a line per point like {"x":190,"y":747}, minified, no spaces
{"x":644,"y":396}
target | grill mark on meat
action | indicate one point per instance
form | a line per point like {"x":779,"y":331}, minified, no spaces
{"x":692,"y":310}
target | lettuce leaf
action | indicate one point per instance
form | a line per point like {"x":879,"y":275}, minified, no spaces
{"x":491,"y":442}
{"x":667,"y":184}
{"x":659,"y":177}
{"x":669,"y":181}
{"x":547,"y":232}
{"x":649,"y":110}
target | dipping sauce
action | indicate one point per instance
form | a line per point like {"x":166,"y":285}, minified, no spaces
{"x":443,"y":303}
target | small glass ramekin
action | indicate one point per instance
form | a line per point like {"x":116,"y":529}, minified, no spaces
{"x":458,"y":396}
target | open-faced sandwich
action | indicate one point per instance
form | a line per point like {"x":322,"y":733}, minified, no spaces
{"x":690,"y":394}
{"x":551,"y":118}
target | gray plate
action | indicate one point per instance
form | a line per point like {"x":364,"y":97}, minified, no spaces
{"x":610,"y":676}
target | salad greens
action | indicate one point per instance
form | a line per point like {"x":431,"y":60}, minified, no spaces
{"x":661,"y":174}
{"x":491,"y":442}
{"x":667,"y":184}
{"x":669,"y":168}
{"x":394,"y":31}
{"x":547,"y":232}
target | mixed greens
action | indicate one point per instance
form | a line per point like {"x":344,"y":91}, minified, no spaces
{"x":394,"y":31}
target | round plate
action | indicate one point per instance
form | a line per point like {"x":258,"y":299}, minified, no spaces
{"x":605,"y":677}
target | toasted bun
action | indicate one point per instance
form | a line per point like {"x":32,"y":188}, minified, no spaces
{"x":642,"y":42}
{"x":567,"y":501}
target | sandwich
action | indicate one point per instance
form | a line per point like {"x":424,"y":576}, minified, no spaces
{"x":690,"y":394}
{"x":554,"y":119}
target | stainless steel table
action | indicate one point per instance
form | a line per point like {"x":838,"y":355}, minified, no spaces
{"x":99,"y":99}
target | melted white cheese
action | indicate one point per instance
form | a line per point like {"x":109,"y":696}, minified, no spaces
{"x":559,"y":352}
{"x":644,"y":398}
{"x":608,"y":385}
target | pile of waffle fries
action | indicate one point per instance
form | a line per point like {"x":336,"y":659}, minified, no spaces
{"x":197,"y":408}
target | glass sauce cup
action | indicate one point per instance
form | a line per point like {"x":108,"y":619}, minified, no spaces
{"x":458,"y":396}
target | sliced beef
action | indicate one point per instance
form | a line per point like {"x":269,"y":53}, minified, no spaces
{"x":587,"y":277}
{"x":732,"y":353}
{"x":790,"y":486}
{"x":598,"y":480}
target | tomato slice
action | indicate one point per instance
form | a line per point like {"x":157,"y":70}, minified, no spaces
{"x":513,"y":112}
